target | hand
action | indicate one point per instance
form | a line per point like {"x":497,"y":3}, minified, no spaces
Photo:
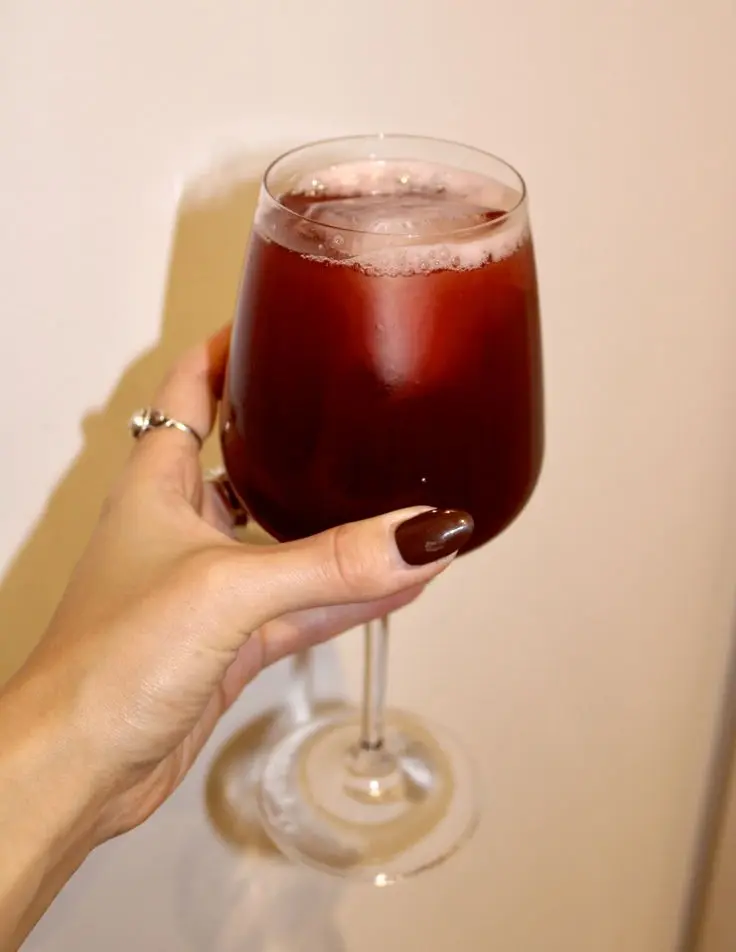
{"x":167,"y":617}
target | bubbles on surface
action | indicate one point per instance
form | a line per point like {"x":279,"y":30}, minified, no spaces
{"x":399,"y":218}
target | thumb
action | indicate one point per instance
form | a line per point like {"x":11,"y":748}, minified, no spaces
{"x":357,"y":562}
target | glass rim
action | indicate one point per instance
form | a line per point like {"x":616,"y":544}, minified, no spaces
{"x":384,"y":136}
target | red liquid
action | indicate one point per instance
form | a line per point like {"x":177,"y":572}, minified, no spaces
{"x":351,"y":394}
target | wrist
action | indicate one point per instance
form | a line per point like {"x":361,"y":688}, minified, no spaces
{"x":44,"y":756}
{"x":49,"y":804}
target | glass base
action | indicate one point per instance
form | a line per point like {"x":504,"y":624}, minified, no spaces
{"x":377,"y":815}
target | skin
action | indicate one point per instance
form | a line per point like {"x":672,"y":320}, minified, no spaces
{"x":165,"y":620}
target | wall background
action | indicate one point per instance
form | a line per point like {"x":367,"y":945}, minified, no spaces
{"x":582,"y":656}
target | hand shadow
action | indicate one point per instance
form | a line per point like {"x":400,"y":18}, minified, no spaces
{"x":211,"y":234}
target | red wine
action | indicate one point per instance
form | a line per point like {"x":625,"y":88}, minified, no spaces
{"x":376,"y":364}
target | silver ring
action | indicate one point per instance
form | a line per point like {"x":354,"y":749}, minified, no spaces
{"x":151,"y":419}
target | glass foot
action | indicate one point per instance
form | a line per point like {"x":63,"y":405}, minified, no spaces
{"x":378,"y":815}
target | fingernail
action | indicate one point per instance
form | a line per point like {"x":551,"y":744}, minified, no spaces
{"x":433,"y":535}
{"x":224,"y":489}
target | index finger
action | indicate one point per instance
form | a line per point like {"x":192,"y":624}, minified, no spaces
{"x":189,"y":394}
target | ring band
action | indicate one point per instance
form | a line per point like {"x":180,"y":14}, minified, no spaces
{"x":151,"y":419}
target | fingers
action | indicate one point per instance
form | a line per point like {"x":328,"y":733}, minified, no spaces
{"x":190,"y":394}
{"x":299,"y":631}
{"x":216,"y":510}
{"x":355,"y":563}
{"x":307,"y":628}
{"x":220,"y":490}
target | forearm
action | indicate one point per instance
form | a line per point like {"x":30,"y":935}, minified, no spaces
{"x":47,"y":808}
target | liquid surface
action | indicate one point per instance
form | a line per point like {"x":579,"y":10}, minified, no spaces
{"x":386,"y":352}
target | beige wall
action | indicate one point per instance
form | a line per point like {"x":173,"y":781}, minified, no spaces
{"x":582,"y":655}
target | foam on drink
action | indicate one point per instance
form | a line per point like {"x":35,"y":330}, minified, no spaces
{"x":398,"y":218}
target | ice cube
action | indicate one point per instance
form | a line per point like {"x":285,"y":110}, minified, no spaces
{"x":412,"y":216}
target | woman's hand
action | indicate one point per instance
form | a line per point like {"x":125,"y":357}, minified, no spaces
{"x":167,"y":617}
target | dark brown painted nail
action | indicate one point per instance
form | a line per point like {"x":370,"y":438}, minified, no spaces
{"x":433,"y":535}
{"x":227,"y":494}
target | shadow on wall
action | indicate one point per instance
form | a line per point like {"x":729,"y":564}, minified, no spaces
{"x":267,"y":902}
{"x":231,"y":791}
{"x":255,"y":896}
{"x":707,"y":922}
{"x":211,"y":233}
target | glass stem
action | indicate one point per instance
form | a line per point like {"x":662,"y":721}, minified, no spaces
{"x":375,"y":677}
{"x":302,"y":694}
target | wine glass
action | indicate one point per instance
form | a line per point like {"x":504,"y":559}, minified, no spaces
{"x":385,"y":354}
